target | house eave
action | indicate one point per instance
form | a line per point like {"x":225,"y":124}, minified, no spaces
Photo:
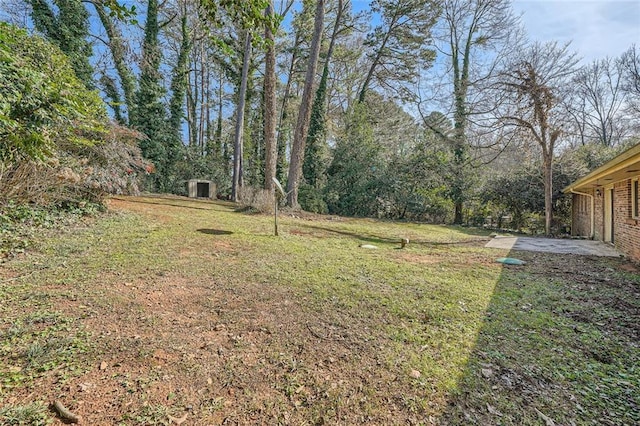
{"x":624,"y":166}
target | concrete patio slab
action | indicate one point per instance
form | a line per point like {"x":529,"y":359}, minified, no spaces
{"x":552,"y":245}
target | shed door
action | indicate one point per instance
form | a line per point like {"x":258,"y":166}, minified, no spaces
{"x":203,"y":189}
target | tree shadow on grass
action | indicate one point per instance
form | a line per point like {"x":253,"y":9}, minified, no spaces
{"x":161,"y":201}
{"x":367,"y":238}
{"x":558,"y":345}
{"x":378,"y":239}
{"x":214,"y":231}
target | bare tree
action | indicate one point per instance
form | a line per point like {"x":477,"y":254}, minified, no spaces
{"x":577,"y":108}
{"x":304,"y":114}
{"x":15,"y":12}
{"x":476,"y":36}
{"x":631,"y":67}
{"x":599,"y":96}
{"x":534,"y":87}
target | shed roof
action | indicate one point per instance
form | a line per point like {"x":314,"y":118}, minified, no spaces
{"x":624,"y":166}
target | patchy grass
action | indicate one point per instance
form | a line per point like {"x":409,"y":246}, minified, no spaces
{"x":170,"y":307}
{"x":32,"y":414}
{"x":560,"y":341}
{"x":21,"y":224}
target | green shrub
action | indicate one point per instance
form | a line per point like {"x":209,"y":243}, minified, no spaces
{"x":57,"y":147}
{"x":42,"y":102}
{"x":311,"y":199}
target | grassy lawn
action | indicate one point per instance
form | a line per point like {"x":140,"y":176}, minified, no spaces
{"x":167,"y":308}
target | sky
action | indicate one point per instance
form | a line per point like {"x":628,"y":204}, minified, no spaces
{"x":597,"y":28}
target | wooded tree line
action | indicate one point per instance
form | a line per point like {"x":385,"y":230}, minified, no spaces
{"x":438,"y":110}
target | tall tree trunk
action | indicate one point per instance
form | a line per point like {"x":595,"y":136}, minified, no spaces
{"x":117,"y":48}
{"x":470,"y":26}
{"x":192,"y":102}
{"x":179,"y":81}
{"x":549,"y":138}
{"x":242,"y":94}
{"x":177,"y":101}
{"x":195,"y":101}
{"x":312,"y":169}
{"x":270,"y":142}
{"x":536,"y":84}
{"x":548,"y":192}
{"x":460,"y":148}
{"x":302,"y":124}
{"x":211,"y":150}
{"x":203,"y":104}
{"x":222,"y":145}
{"x":150,"y":113}
{"x":459,"y":141}
{"x":190,"y":112}
{"x":280,"y":142}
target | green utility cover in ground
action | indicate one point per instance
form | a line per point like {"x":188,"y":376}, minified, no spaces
{"x":510,"y":261}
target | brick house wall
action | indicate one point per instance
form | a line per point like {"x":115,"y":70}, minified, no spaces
{"x":617,"y":180}
{"x":626,"y":229}
{"x":581,"y":216}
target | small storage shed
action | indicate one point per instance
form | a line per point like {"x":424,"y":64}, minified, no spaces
{"x":199,"y":188}
{"x":605,"y":203}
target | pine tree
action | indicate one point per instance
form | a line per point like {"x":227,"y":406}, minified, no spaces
{"x":400,"y":43}
{"x":356,"y":165}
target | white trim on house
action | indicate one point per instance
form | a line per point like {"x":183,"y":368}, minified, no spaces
{"x":635,"y":188}
{"x":608,"y":214}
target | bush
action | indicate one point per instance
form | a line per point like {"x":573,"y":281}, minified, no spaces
{"x":115,"y":166}
{"x":193,"y":165}
{"x":77,"y":173}
{"x":42,"y":102}
{"x":56,"y":145}
{"x":311,"y":199}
